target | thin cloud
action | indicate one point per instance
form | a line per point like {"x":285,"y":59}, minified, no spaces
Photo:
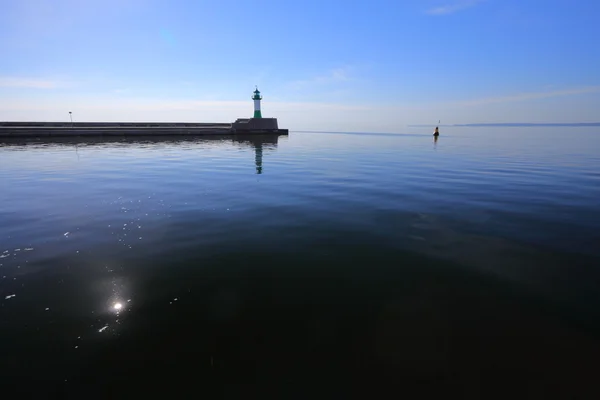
{"x":9,"y":82}
{"x":142,"y":104}
{"x":334,"y":76}
{"x":292,"y":115}
{"x":527,"y":96}
{"x":452,"y":8}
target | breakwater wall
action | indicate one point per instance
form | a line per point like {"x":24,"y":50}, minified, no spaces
{"x":15,"y":129}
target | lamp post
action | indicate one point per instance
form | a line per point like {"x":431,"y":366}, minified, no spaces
{"x":71,"y":116}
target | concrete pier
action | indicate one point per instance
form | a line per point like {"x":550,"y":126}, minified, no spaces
{"x":91,"y":129}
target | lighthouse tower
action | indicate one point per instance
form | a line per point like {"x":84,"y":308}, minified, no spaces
{"x":257,"y":98}
{"x":257,"y":124}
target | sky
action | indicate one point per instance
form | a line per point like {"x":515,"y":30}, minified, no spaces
{"x":336,"y":65}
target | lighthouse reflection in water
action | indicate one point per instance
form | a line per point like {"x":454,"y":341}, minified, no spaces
{"x":259,"y":143}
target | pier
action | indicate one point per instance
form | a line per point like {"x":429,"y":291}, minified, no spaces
{"x":242,"y":126}
{"x":90,"y":129}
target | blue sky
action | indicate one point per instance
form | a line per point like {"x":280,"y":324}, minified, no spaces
{"x":340,"y":65}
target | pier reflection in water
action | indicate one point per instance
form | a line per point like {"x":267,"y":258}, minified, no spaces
{"x":259,"y":143}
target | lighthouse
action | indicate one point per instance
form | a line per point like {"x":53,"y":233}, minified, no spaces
{"x":257,"y":98}
{"x":257,"y":124}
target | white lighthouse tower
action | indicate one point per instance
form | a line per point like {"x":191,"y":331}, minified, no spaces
{"x":257,"y":98}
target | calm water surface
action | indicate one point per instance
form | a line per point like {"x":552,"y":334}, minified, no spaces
{"x":319,"y":265}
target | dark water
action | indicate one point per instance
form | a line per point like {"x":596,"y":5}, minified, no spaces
{"x":319,"y":265}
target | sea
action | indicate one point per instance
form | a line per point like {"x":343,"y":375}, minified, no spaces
{"x":313,"y":265}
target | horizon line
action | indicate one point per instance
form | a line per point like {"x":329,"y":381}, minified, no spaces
{"x":515,"y":124}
